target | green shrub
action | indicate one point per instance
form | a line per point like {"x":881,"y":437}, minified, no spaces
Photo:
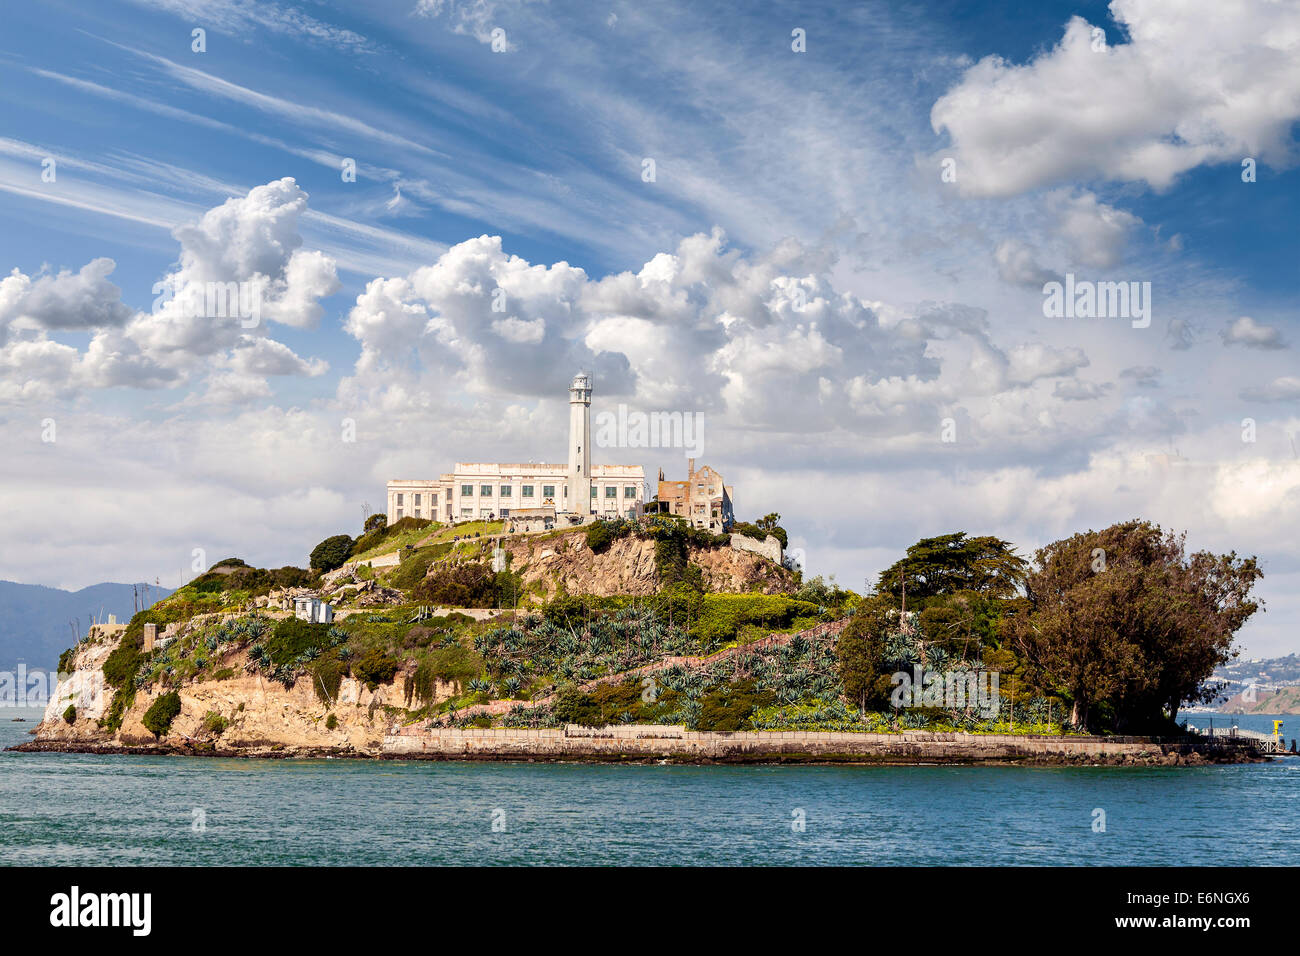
{"x":292,"y":638}
{"x":415,"y":565}
{"x":376,"y":535}
{"x":375,"y":668}
{"x":331,"y":553}
{"x":599,"y":537}
{"x":461,"y":585}
{"x":65,"y":660}
{"x":331,"y":722}
{"x":327,"y":673}
{"x":158,"y":718}
{"x":722,"y":616}
{"x":70,"y":715}
{"x":123,"y":663}
{"x":729,"y":707}
{"x":122,"y":700}
{"x":447,"y":664}
{"x":604,"y":705}
{"x":214,"y":723}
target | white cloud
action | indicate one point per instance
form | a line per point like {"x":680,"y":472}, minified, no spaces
{"x":240,"y":268}
{"x":67,"y":300}
{"x":1246,"y":331}
{"x":1017,"y":265}
{"x":1094,"y":232}
{"x":1285,"y":388}
{"x":1199,"y":81}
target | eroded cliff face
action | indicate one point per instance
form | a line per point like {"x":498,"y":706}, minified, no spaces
{"x":262,"y":716}
{"x":628,"y":567}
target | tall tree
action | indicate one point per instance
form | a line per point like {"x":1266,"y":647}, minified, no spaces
{"x":1125,"y":620}
{"x":952,"y":563}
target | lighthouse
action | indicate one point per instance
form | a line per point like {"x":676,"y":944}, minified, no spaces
{"x":579,"y":474}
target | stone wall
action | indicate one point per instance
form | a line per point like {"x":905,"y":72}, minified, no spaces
{"x":656,"y":741}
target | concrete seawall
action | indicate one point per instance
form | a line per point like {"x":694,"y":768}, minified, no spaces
{"x":646,"y":742}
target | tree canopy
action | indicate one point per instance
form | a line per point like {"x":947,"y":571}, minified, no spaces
{"x":1129,"y":624}
{"x":952,"y":563}
{"x":331,"y":553}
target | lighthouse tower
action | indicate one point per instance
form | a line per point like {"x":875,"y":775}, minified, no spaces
{"x":579,"y":475}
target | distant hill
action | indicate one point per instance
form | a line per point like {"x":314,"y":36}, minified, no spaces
{"x":34,"y":620}
{"x":1255,"y":686}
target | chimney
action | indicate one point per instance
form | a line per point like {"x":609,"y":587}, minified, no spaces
{"x":690,"y":467}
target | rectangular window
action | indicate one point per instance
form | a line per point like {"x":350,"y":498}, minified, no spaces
{"x":629,"y":491}
{"x":467,"y":512}
{"x":467,"y":491}
{"x":433,"y":502}
{"x":548,"y":491}
{"x":593,"y":491}
{"x":399,"y":514}
{"x":528,"y":491}
{"x":399,"y":499}
{"x":417,"y":501}
{"x":611,"y":491}
{"x":485,"y":491}
{"x":505,"y":491}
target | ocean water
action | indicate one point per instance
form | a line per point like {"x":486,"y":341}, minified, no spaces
{"x":112,"y":810}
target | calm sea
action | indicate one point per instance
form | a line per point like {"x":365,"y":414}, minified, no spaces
{"x":89,"y":810}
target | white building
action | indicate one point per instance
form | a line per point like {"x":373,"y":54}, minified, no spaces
{"x":495,"y":490}
{"x":308,"y":607}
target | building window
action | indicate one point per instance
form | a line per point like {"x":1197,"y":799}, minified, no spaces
{"x":505,"y":491}
{"x":485,"y":491}
{"x":548,"y":491}
{"x":399,"y":499}
{"x":467,"y":491}
{"x":593,"y":491}
{"x":433,"y":502}
{"x":629,"y":491}
{"x":611,"y":491}
{"x":417,"y":501}
{"x":399,"y":514}
{"x":527,"y":492}
{"x":467,"y":512}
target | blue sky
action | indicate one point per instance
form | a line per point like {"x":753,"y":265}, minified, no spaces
{"x":776,"y":170}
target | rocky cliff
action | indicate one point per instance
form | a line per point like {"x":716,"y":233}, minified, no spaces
{"x":259,"y":716}
{"x":628,"y":567}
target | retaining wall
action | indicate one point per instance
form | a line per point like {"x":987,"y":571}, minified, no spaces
{"x":655,"y":741}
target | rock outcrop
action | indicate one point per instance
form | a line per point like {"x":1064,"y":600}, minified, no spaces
{"x":628,"y":567}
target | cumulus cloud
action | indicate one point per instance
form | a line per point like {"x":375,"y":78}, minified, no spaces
{"x":240,"y":269}
{"x":1254,"y":335}
{"x":702,"y":328}
{"x":1144,"y":376}
{"x":1094,"y":232}
{"x":1200,"y":81}
{"x":1285,"y":388}
{"x":64,"y":301}
{"x":1017,"y":265}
